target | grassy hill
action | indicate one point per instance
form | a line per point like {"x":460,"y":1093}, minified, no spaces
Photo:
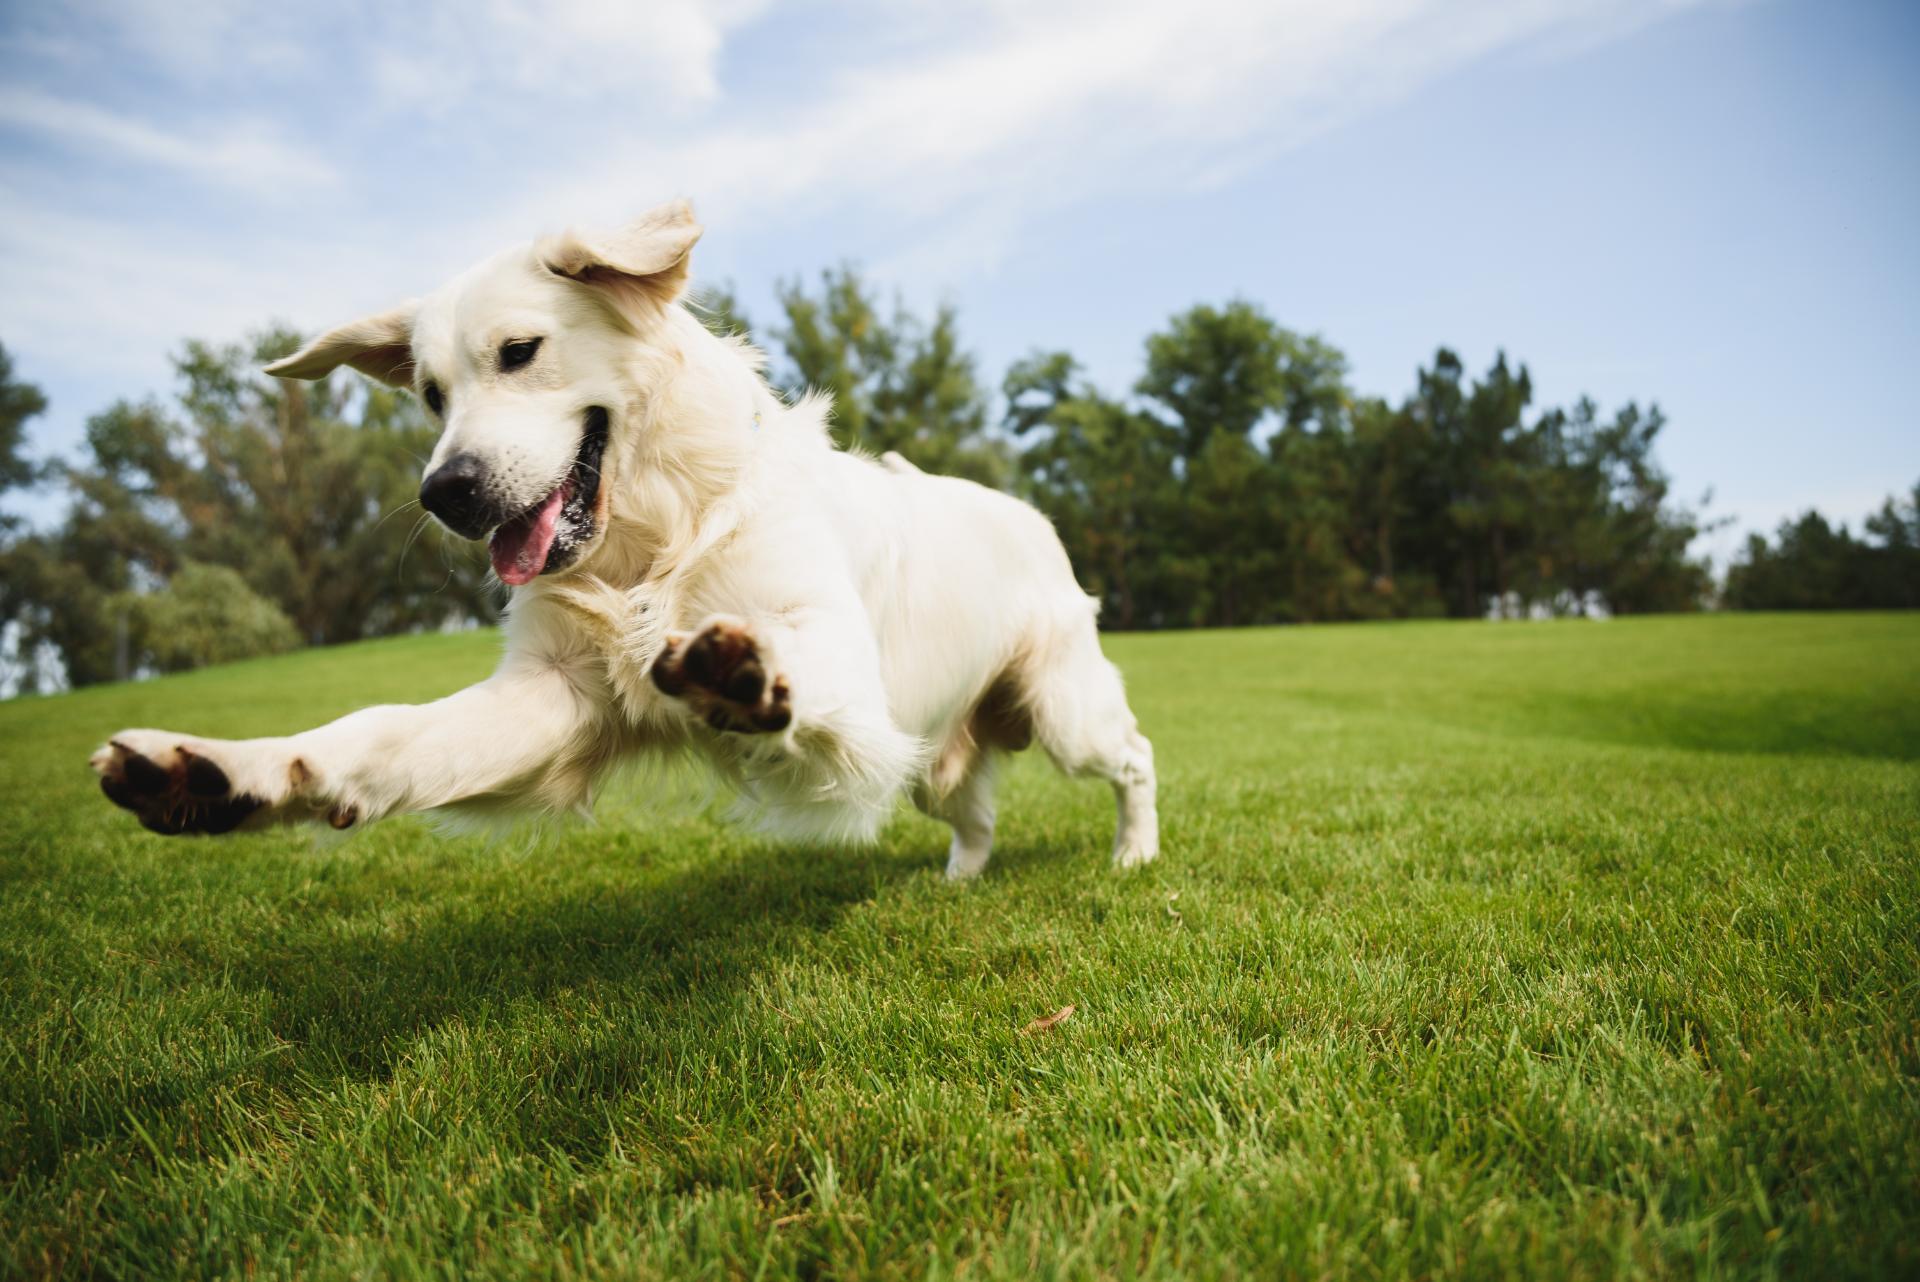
{"x":1530,"y":950}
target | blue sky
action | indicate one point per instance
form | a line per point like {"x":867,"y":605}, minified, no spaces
{"x":1708,"y":204}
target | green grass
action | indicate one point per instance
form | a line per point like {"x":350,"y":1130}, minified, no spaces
{"x":1561,"y":950}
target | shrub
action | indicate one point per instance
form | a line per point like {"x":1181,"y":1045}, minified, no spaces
{"x":207,"y":614}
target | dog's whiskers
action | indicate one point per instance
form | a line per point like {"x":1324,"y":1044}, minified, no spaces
{"x":395,"y":512}
{"x":419,"y":525}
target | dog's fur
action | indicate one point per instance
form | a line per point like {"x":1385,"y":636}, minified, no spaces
{"x":826,"y":630}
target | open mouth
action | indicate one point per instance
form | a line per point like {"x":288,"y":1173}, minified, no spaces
{"x":549,"y":535}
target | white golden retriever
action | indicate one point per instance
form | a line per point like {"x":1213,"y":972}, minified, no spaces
{"x":695,"y":570}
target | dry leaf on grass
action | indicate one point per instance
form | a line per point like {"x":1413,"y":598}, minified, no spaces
{"x":1045,"y":1022}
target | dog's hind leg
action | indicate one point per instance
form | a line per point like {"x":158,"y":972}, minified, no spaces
{"x":1080,"y":715}
{"x":969,"y":810}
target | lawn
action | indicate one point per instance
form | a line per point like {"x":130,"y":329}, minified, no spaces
{"x":1544,"y":950}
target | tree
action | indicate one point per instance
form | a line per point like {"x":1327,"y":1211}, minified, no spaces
{"x":1814,"y":565}
{"x":1559,"y":511}
{"x":1388,"y":445}
{"x":897,"y":382}
{"x":205,"y":614}
{"x":1641,"y":565}
{"x":1226,"y":369}
{"x":1317,"y":512}
{"x":306,"y":493}
{"x":1263,"y":534}
{"x":19,"y":403}
{"x":1104,"y":474}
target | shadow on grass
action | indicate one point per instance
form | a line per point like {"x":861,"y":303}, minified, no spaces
{"x":706,"y":930}
{"x":352,"y":1004}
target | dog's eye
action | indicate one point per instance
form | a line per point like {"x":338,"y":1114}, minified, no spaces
{"x":431,"y":395}
{"x":517,"y":353}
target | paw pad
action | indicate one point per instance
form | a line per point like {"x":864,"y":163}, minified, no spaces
{"x":189,"y":793}
{"x":720,"y":672}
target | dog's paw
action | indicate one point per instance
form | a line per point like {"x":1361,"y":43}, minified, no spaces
{"x":721,"y":673}
{"x":171,"y":785}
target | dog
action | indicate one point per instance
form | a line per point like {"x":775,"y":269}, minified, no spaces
{"x":695,"y":571}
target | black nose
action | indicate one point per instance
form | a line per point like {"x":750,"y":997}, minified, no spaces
{"x":456,"y":493}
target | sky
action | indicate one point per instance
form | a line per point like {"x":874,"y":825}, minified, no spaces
{"x":1711,"y":204}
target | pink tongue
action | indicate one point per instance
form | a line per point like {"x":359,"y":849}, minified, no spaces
{"x":520,"y":546}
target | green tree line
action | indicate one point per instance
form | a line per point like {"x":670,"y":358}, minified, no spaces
{"x":1811,"y":565}
{"x":247,"y":517}
{"x":1240,"y":480}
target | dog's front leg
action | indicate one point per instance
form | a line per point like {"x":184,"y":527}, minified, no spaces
{"x":798,"y":697}
{"x":519,"y":735}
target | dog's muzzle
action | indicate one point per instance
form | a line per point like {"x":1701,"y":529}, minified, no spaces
{"x":542,"y":537}
{"x":456,"y":492}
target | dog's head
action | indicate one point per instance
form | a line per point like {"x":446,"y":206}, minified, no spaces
{"x":523,"y":361}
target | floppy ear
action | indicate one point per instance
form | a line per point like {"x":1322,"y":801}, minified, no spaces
{"x":379,"y":346}
{"x":645,"y":261}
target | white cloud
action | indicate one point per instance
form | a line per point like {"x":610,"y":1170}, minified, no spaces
{"x":248,"y":157}
{"x":188,"y":40}
{"x":560,"y":110}
{"x":443,"y":54}
{"x":451,"y":127}
{"x":82,"y":292}
{"x":438,"y":54}
{"x":1006,"y":111}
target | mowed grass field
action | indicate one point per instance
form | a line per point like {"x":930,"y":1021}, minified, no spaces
{"x":1475,"y":950}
